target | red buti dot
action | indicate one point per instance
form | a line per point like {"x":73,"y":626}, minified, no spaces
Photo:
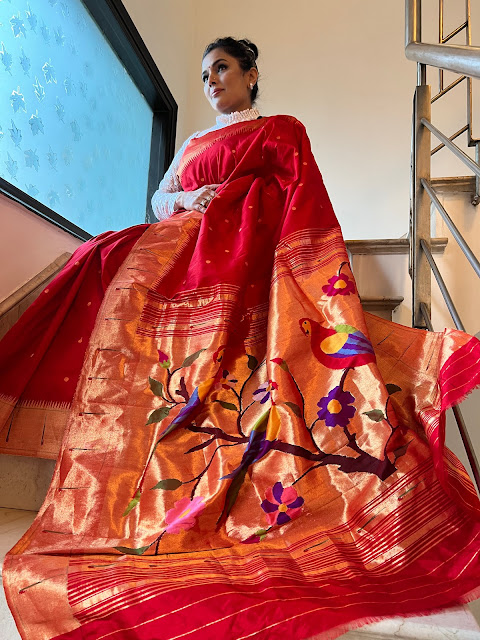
{"x":240,"y":229}
{"x":260,"y":220}
{"x":77,"y":263}
{"x":305,"y":163}
{"x":278,"y":137}
{"x":294,"y":208}
{"x":80,"y":341}
{"x":227,"y":220}
{"x":208,"y":261}
{"x":246,"y":264}
{"x":66,"y":379}
{"x":31,"y":355}
{"x":210,"y":229}
{"x":296,"y":153}
{"x":46,"y":291}
{"x":300,"y":184}
{"x":252,"y":285}
{"x":227,"y":250}
{"x":250,"y":206}
{"x":89,"y":304}
{"x":202,"y":179}
{"x":234,"y":151}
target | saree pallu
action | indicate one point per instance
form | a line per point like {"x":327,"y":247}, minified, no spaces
{"x":247,"y":454}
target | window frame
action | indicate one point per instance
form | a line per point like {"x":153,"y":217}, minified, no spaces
{"x":119,"y":30}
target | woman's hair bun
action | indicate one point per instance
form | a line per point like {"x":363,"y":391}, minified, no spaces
{"x":250,"y":45}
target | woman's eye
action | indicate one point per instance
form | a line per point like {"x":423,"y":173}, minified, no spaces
{"x":221,"y":67}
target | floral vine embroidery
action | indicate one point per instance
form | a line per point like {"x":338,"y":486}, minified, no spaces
{"x":281,"y":504}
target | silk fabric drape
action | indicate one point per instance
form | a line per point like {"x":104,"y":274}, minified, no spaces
{"x":247,"y":454}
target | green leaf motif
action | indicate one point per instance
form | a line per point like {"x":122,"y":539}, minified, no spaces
{"x":133,"y":503}
{"x":132,"y":552}
{"x":401,"y":451}
{"x":262,"y":422}
{"x":156,"y":387}
{"x":392,"y":388}
{"x":191,"y":359}
{"x":227,"y":405}
{"x":295,"y":408}
{"x":345,"y":328}
{"x":168,"y":485}
{"x":262,"y":533}
{"x":158,"y":415}
{"x":252,"y":362}
{"x":376,"y":415}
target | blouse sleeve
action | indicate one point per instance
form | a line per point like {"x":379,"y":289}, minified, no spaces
{"x":163,"y":200}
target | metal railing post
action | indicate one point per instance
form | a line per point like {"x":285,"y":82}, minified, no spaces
{"x":476,"y":195}
{"x":420,"y":227}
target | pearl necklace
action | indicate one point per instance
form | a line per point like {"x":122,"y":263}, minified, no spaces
{"x":237,"y":116}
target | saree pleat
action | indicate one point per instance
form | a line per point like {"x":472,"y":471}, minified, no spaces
{"x":247,"y":454}
{"x":41,"y":356}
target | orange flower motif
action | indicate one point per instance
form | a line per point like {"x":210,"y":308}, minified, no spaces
{"x":218,"y":355}
{"x":227,"y":381}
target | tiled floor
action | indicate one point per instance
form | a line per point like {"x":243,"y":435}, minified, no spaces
{"x":454,"y":624}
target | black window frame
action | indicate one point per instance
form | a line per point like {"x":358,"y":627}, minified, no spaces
{"x":119,"y":30}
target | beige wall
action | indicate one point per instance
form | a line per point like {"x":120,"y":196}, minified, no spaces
{"x":338,"y":67}
{"x":167,"y":27}
{"x":27,"y":245}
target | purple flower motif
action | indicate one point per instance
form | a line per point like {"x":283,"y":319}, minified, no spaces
{"x":336,"y":408}
{"x":281,"y":505}
{"x":163,"y":359}
{"x":339,"y":285}
{"x":262,"y":394}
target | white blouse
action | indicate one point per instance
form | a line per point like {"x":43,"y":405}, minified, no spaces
{"x":163,"y":200}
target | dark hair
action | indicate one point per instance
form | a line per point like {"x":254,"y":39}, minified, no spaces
{"x":243,"y":50}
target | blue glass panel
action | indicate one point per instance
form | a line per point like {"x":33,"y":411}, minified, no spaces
{"x":75,"y":131}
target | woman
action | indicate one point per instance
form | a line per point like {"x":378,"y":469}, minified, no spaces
{"x":238,"y":422}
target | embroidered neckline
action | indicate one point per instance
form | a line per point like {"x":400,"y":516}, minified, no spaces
{"x":238,"y":116}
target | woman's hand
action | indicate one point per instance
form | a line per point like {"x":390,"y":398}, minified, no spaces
{"x":196,"y":200}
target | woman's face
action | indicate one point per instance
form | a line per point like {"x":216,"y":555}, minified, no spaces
{"x":226,"y":85}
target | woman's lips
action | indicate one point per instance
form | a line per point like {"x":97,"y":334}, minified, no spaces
{"x":216,"y":92}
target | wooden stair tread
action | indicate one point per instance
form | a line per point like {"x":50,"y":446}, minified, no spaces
{"x":390,"y":246}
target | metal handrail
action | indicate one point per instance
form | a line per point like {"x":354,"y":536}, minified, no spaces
{"x":463,"y":60}
{"x":471,"y":257}
{"x":461,"y":155}
{"x":454,"y":136}
{"x":451,"y":86}
{"x":460,"y":59}
{"x":442,"y":286}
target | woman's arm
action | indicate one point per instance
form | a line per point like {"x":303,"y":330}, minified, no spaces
{"x":170,"y":197}
{"x":164,"y":200}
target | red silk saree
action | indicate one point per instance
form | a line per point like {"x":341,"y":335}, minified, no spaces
{"x":247,"y":455}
